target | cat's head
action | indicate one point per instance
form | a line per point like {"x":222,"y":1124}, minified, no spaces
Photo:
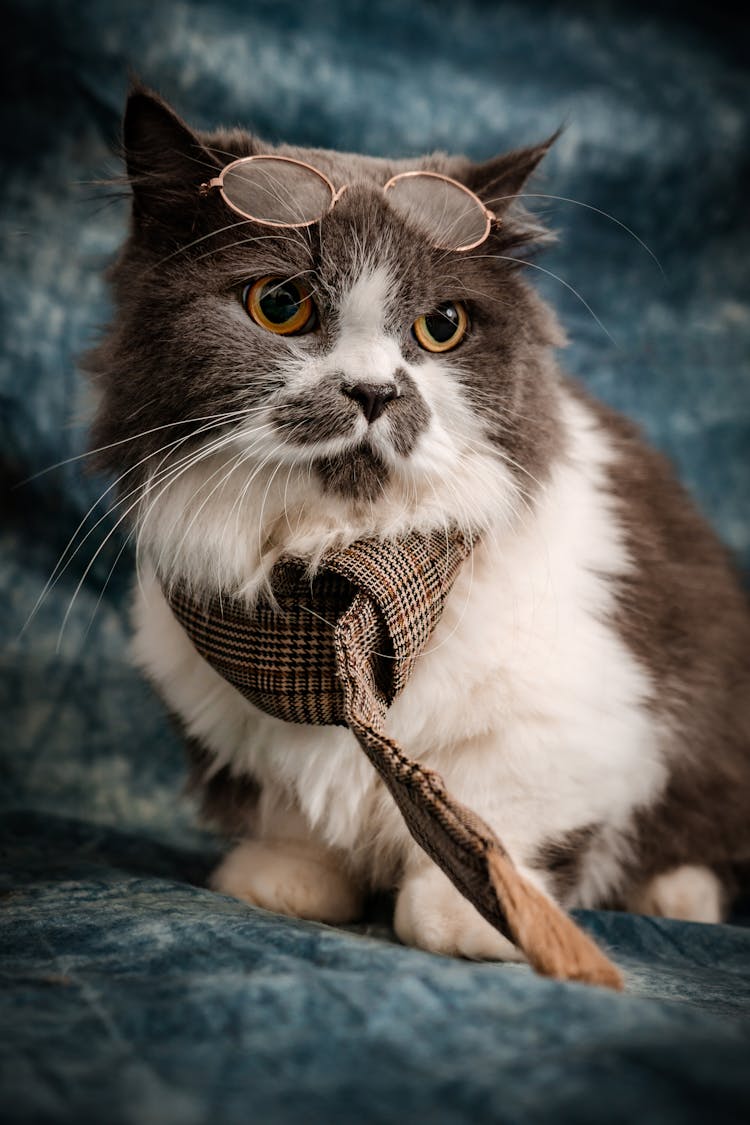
{"x":267,"y":389}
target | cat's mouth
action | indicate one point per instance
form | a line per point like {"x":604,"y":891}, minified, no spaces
{"x":354,"y":423}
{"x":359,"y":473}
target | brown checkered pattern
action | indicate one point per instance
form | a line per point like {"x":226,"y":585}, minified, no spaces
{"x":338,"y":648}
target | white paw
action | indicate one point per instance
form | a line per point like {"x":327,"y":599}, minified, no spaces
{"x":692,"y":894}
{"x":288,"y":878}
{"x":431,"y":914}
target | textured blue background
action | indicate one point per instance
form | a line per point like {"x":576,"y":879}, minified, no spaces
{"x":131,"y":994}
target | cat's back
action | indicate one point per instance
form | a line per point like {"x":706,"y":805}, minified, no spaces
{"x":684,"y":615}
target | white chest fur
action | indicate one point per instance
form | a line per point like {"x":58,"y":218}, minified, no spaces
{"x":526,"y":700}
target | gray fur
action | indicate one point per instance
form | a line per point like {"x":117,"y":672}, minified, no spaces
{"x":174,"y":355}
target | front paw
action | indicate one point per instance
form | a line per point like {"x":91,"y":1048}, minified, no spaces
{"x":433,"y":915}
{"x":288,"y":878}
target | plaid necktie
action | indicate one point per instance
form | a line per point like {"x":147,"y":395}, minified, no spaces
{"x":337,"y":648}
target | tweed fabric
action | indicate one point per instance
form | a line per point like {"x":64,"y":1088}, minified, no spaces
{"x":409,"y":586}
{"x":338,"y":648}
{"x":282,"y":655}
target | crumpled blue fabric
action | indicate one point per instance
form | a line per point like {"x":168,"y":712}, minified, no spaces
{"x":130,"y":993}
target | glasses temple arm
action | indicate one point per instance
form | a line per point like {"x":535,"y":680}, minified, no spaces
{"x":205,"y":188}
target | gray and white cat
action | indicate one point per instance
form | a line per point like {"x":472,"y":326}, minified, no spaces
{"x":587,"y":690}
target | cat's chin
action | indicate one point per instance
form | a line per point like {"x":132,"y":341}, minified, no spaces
{"x":359,"y":474}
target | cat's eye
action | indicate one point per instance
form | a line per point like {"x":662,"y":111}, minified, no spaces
{"x":280,"y":305}
{"x":442,"y":329}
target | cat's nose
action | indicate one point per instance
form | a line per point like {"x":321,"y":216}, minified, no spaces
{"x":372,"y":397}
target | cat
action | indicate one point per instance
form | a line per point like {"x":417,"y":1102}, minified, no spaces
{"x":587,"y":690}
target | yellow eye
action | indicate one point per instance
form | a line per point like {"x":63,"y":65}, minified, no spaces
{"x":281,"y":306}
{"x":441,"y":330}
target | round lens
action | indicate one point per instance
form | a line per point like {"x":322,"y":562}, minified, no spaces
{"x":453,"y":216}
{"x":279,"y":192}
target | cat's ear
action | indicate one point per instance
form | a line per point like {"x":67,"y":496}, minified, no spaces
{"x":166,"y":161}
{"x":499,"y":181}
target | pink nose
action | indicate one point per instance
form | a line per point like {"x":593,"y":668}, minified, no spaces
{"x":372,"y":397}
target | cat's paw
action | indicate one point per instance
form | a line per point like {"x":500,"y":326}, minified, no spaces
{"x":690,"y":893}
{"x":431,"y":914}
{"x":288,"y":878}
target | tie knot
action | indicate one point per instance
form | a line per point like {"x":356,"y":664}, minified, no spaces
{"x":381,"y":598}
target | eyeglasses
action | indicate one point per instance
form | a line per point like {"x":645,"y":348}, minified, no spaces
{"x":279,"y":191}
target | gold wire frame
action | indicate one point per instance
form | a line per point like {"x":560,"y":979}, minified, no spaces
{"x":488,"y":215}
{"x":218,"y":184}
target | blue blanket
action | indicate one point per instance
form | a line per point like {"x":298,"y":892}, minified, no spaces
{"x":130,"y":993}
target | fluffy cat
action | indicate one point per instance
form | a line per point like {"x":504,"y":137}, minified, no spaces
{"x":587,"y":690}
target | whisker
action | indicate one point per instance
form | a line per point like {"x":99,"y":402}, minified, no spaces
{"x":589,"y":207}
{"x":291,"y":434}
{"x":236,"y":461}
{"x":59,"y":568}
{"x":549,"y":273}
{"x":292,"y":466}
{"x":123,"y":441}
{"x":203,"y":454}
{"x":226,"y":439}
{"x":251,"y":241}
{"x":240,"y":499}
